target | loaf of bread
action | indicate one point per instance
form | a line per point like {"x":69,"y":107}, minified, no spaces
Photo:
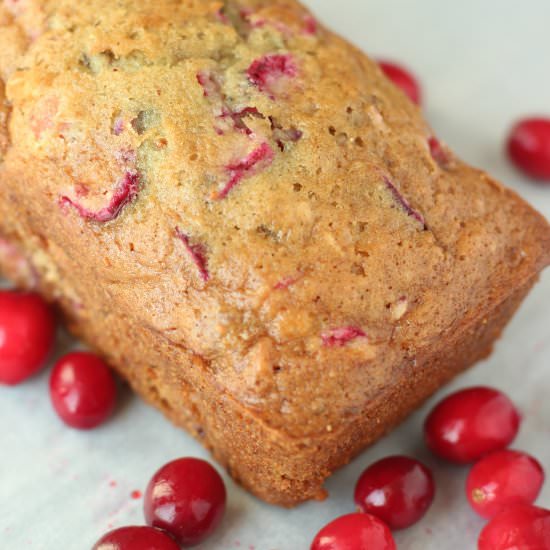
{"x":256,"y":228}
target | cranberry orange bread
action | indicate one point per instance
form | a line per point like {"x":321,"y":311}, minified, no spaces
{"x":250,"y":222}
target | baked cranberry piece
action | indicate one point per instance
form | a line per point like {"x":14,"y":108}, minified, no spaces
{"x":125,"y":192}
{"x":354,"y":532}
{"x":310,"y":25}
{"x":82,"y":390}
{"x":259,"y":158}
{"x":470,"y":424}
{"x":339,"y":337}
{"x":197,"y":252}
{"x":404,"y":203}
{"x":136,"y":538}
{"x":523,"y":527}
{"x":503,"y":479}
{"x":398,"y":490}
{"x":266,"y":71}
{"x":529,"y":147}
{"x":438,"y":152}
{"x":27,"y":334}
{"x":187,"y":498}
{"x":403,"y":79}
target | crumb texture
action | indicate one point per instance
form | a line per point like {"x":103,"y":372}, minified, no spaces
{"x":254,"y":207}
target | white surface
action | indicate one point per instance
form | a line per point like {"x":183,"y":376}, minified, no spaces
{"x":482,"y":64}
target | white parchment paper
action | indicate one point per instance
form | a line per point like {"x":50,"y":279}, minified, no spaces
{"x":482,"y":64}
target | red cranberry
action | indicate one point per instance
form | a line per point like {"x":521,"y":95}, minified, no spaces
{"x":529,"y":147}
{"x":354,"y":532}
{"x":403,"y":79}
{"x":522,"y":527}
{"x":470,"y":424}
{"x":186,"y":497}
{"x":503,"y":479}
{"x":135,"y":538}
{"x":27,"y":334}
{"x":82,"y":390}
{"x":397,"y":489}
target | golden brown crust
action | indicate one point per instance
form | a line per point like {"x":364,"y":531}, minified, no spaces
{"x":3,"y":122}
{"x":242,"y":213}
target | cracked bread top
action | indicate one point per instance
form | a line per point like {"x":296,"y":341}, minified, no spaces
{"x":246,"y":183}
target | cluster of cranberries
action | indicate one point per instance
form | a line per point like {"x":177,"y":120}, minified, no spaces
{"x":185,"y":499}
{"x":82,"y":387}
{"x":528,"y":144}
{"x":475,"y":425}
{"x":183,"y":505}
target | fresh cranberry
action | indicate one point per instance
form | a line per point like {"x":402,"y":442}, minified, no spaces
{"x":82,"y":390}
{"x":503,"y":479}
{"x":529,"y":147}
{"x":470,"y":424}
{"x":522,"y":527}
{"x":186,"y":497}
{"x":136,"y":538}
{"x":403,"y":79}
{"x":27,"y":334}
{"x":398,"y":490}
{"x":354,"y":532}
